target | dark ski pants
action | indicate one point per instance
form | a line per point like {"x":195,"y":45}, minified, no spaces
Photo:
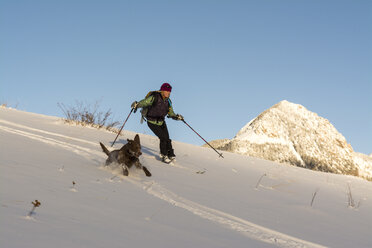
{"x":165,"y":143}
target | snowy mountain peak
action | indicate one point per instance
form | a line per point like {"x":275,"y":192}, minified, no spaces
{"x":289,"y":133}
{"x":279,"y":118}
{"x":284,"y":104}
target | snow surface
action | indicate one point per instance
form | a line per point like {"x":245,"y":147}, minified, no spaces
{"x":201,"y":201}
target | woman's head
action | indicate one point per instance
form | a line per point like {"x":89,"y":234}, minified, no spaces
{"x":166,"y":89}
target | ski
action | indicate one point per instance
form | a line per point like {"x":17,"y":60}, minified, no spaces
{"x":171,"y":161}
{"x":167,"y":160}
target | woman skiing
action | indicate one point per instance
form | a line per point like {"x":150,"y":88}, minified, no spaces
{"x":155,"y":107}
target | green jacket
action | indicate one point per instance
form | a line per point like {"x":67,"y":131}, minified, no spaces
{"x":148,"y":101}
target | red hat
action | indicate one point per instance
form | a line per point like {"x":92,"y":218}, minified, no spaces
{"x":166,"y":87}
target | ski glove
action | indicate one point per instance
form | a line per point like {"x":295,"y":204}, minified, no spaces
{"x":134,"y":105}
{"x":179,"y":117}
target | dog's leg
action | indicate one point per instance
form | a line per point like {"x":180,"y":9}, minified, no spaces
{"x":147,"y":172}
{"x":140,"y":166}
{"x":108,"y":162}
{"x":125,"y":170}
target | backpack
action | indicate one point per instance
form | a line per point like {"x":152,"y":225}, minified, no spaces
{"x":145,"y":109}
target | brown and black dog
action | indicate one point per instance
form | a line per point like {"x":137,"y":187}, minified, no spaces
{"x":127,"y":156}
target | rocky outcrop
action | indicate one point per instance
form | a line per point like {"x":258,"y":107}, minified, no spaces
{"x":289,"y":133}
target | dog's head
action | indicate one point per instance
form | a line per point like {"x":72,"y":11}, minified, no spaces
{"x":134,"y":146}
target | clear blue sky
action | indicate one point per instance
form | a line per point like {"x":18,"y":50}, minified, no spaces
{"x":227,"y":60}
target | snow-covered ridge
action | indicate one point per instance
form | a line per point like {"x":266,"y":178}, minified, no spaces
{"x":289,"y":133}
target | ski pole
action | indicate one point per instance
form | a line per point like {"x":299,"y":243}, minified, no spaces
{"x":122,"y":127}
{"x":203,"y":139}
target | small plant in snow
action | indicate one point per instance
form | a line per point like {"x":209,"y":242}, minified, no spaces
{"x":313,"y":198}
{"x":73,"y":186}
{"x":351,"y":202}
{"x":201,"y":171}
{"x":35,"y":204}
{"x":259,"y":180}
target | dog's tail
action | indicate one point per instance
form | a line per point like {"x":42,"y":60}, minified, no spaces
{"x":104,"y":149}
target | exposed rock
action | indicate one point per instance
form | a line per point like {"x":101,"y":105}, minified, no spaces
{"x":289,"y":133}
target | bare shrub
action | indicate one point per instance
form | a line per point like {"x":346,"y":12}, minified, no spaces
{"x":7,"y":105}
{"x":88,"y":115}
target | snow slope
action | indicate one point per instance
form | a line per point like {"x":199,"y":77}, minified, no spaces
{"x":201,"y":201}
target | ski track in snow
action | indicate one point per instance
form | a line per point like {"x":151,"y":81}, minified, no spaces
{"x":242,"y":226}
{"x":86,"y":152}
{"x":46,"y":132}
{"x":231,"y":222}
